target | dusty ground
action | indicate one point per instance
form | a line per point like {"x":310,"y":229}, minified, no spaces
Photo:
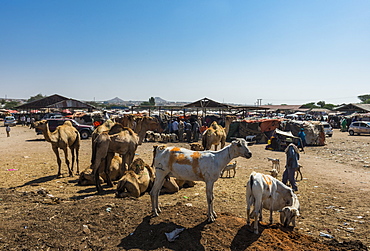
{"x":333,"y":196}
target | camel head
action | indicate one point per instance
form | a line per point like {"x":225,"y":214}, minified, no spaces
{"x":138,"y":165}
{"x":42,"y":124}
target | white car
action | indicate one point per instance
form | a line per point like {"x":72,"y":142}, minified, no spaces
{"x":10,"y":120}
{"x":327,"y":129}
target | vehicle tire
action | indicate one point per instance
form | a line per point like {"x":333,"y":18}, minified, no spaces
{"x":84,"y":134}
{"x":330,"y":135}
{"x":351,"y":132}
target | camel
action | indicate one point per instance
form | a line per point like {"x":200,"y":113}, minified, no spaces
{"x":140,"y":124}
{"x":63,"y":137}
{"x":173,"y":185}
{"x":136,"y":181}
{"x":87,"y":176}
{"x":214,"y":135}
{"x":105,"y":127}
{"x":105,"y":146}
{"x":143,"y":124}
{"x":128,"y":120}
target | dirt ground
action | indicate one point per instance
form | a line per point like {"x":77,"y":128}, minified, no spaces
{"x":41,"y":212}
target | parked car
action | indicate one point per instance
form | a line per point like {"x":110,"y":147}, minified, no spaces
{"x":359,"y":127}
{"x":84,"y":130}
{"x":327,"y":129}
{"x":10,"y":120}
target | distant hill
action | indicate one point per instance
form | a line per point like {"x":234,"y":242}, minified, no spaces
{"x":115,"y":100}
{"x":159,"y":101}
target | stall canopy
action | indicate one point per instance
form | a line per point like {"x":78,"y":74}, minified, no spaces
{"x":350,"y":108}
{"x":55,"y":101}
{"x":207,"y":103}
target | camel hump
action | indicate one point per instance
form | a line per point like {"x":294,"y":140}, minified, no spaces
{"x":67,"y":123}
{"x":116,"y":128}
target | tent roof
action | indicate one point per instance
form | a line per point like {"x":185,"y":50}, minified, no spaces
{"x":354,"y":108}
{"x":286,"y":134}
{"x":284,"y":107}
{"x":55,"y":101}
{"x":208,"y":103}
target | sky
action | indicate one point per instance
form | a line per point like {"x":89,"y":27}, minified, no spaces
{"x":283,"y":52}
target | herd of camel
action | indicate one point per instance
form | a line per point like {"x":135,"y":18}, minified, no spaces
{"x":113,"y":150}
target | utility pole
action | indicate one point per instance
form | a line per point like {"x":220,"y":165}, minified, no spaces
{"x":259,"y":102}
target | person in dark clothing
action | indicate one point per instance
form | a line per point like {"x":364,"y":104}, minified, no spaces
{"x":292,"y":157}
{"x":196,"y":131}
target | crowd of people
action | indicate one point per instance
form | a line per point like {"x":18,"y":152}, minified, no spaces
{"x":191,"y":129}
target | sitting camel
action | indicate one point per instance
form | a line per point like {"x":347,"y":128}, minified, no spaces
{"x":63,"y":137}
{"x":136,"y":181}
{"x":87,"y":176}
{"x":173,"y":185}
{"x":124,"y":142}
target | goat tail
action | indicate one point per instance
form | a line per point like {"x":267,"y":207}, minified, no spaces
{"x":251,"y":179}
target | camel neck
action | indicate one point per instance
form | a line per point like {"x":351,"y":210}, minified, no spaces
{"x":47,"y":134}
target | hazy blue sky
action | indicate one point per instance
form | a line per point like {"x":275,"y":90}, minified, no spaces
{"x":290,"y":52}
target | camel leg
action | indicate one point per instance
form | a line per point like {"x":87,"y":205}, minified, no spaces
{"x":96,"y":168}
{"x":210,"y":197}
{"x":73,"y":158}
{"x":77,"y":149}
{"x":59,"y":161}
{"x":108,"y":161}
{"x":65,"y":150}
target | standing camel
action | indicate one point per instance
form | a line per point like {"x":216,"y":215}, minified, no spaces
{"x":216,"y":134}
{"x":124,"y":142}
{"x":63,"y":137}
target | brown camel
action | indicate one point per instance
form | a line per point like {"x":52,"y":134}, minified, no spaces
{"x":143,"y":124}
{"x":105,"y":145}
{"x":216,"y":134}
{"x":136,"y":181}
{"x":87,"y":176}
{"x":63,"y":137}
{"x":105,"y":127}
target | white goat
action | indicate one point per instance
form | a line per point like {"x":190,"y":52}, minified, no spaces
{"x":264,"y":191}
{"x":289,"y":213}
{"x":228,"y":168}
{"x":275,"y":163}
{"x":185,"y":164}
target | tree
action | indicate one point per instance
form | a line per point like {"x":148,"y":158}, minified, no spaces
{"x":321,"y":104}
{"x":329,"y":106}
{"x":152,"y":101}
{"x":310,"y":105}
{"x":365,"y":99}
{"x":11,"y":104}
{"x":34,"y":98}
